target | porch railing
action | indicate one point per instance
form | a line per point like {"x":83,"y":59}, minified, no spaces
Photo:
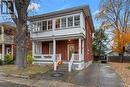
{"x":39,"y":58}
{"x":74,"y":57}
{"x":6,"y":38}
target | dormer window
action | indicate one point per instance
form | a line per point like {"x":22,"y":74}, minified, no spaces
{"x":70,"y":21}
{"x":57,"y":23}
{"x":77,"y":20}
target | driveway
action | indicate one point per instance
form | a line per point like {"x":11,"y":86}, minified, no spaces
{"x":96,"y":75}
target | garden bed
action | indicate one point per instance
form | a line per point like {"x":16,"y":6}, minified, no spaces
{"x":29,"y":72}
{"x":123,"y":69}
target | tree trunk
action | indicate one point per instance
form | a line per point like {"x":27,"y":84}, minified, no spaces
{"x":121,"y":57}
{"x":21,"y":38}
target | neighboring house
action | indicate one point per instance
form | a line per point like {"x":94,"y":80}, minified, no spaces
{"x":7,"y":40}
{"x":65,"y":35}
{"x":7,"y":36}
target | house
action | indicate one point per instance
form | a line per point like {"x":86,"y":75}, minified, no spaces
{"x":7,"y":36}
{"x":7,"y":40}
{"x":64,"y":35}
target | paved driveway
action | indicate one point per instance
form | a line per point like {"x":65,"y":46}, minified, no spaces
{"x":97,"y":75}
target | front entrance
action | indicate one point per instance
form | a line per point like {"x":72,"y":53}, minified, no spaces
{"x":70,"y":50}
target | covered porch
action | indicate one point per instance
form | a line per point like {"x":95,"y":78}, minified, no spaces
{"x":53,"y":50}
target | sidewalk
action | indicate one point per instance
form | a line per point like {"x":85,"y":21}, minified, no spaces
{"x":39,"y":83}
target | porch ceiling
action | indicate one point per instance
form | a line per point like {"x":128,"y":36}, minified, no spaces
{"x":58,"y":38}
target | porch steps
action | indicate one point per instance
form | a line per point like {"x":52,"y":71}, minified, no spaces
{"x":63,"y":67}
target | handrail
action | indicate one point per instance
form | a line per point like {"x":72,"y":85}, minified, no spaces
{"x":70,"y":63}
{"x":74,"y":57}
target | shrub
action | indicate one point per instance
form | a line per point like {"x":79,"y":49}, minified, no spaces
{"x":8,"y":58}
{"x":29,"y":58}
{"x":128,"y":67}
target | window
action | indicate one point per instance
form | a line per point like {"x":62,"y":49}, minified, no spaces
{"x":49,"y":24}
{"x":57,"y":23}
{"x":34,"y":27}
{"x":77,"y":20}
{"x":39,"y":26}
{"x":44,"y":25}
{"x":63,"y":22}
{"x":70,"y":21}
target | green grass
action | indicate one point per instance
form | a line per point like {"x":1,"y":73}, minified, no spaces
{"x":128,"y":67}
{"x":28,"y":71}
{"x":97,"y":61}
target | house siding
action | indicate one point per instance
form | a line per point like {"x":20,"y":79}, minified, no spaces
{"x":61,"y":47}
{"x":88,"y":41}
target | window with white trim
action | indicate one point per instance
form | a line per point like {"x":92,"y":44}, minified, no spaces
{"x":49,"y":24}
{"x":63,"y":22}
{"x":77,"y":20}
{"x":44,"y":25}
{"x":57,"y":23}
{"x":39,"y":26}
{"x":70,"y":21}
{"x":34,"y":27}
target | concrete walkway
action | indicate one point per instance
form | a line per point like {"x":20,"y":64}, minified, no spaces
{"x":97,"y":75}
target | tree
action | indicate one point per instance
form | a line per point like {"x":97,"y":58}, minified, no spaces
{"x":20,"y":17}
{"x":120,"y":41}
{"x":99,"y":42}
{"x":115,"y":15}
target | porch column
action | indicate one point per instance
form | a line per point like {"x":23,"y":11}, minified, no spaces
{"x":2,"y":33}
{"x":33,"y":48}
{"x":12,"y":50}
{"x":83,"y":49}
{"x":54,"y":52}
{"x":54,"y":47}
{"x":3,"y":52}
{"x":80,"y":49}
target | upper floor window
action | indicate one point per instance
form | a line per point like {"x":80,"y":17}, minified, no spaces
{"x":63,"y":22}
{"x":39,"y":26}
{"x":77,"y":20}
{"x":44,"y":25}
{"x":49,"y":24}
{"x":34,"y":26}
{"x":57,"y":23}
{"x":70,"y":21}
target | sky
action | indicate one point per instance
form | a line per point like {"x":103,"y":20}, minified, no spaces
{"x":46,"y":6}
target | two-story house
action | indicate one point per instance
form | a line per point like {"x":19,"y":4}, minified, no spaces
{"x":65,"y":35}
{"x":7,"y":36}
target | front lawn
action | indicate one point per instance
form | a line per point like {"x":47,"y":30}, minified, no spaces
{"x":30,"y":70}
